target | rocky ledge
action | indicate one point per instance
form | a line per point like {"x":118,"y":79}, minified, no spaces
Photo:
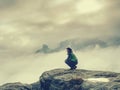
{"x":63,"y":79}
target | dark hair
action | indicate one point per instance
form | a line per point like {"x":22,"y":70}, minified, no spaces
{"x":69,"y":50}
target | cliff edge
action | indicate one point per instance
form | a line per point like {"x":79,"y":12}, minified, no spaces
{"x":63,"y":79}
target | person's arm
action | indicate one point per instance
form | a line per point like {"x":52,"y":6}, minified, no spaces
{"x":69,"y":56}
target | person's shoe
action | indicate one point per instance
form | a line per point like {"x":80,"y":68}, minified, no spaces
{"x":72,"y":68}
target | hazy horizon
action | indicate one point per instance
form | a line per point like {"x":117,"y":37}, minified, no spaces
{"x":90,"y":27}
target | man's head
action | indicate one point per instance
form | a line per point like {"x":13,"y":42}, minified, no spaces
{"x":69,"y":50}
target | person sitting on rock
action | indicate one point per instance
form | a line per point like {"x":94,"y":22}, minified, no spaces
{"x":71,"y":60}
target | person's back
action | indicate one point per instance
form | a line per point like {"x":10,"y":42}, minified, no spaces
{"x":71,"y":60}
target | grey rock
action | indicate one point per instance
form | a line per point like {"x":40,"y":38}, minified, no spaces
{"x":63,"y":79}
{"x":16,"y":86}
{"x":36,"y":86}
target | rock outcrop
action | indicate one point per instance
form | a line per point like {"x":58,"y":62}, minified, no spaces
{"x":16,"y":86}
{"x":63,"y":79}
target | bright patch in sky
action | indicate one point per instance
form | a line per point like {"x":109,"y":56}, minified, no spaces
{"x":89,"y":6}
{"x":7,"y":28}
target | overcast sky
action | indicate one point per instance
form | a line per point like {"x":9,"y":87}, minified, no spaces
{"x":25,"y":25}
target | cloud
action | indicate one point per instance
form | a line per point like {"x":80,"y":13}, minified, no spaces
{"x":6,"y":3}
{"x":29,"y":24}
{"x":78,"y":45}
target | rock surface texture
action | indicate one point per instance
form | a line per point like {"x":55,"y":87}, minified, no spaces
{"x":63,"y":79}
{"x":15,"y":86}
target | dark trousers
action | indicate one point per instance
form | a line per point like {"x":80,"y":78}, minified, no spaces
{"x":71,"y":63}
